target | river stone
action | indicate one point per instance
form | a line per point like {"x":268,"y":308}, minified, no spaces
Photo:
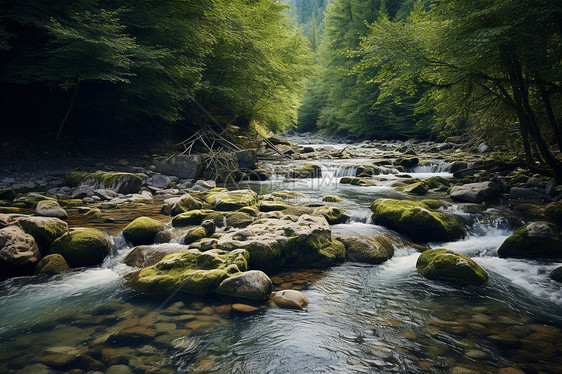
{"x":194,"y":235}
{"x":280,"y":241}
{"x":534,"y":240}
{"x":234,"y":200}
{"x":124,"y":183}
{"x":190,"y":271}
{"x":148,"y":255}
{"x":184,"y":204}
{"x":247,"y":159}
{"x":203,"y":185}
{"x":244,"y":308}
{"x":408,"y":162}
{"x":418,"y":188}
{"x":18,"y":252}
{"x":290,"y":299}
{"x":52,"y":265}
{"x":416,"y":220}
{"x":368,"y":250}
{"x":50,"y":208}
{"x":119,"y":369}
{"x":442,"y":264}
{"x":142,"y":230}
{"x":83,"y":247}
{"x":209,"y":226}
{"x":105,"y":194}
{"x":9,"y":219}
{"x":356,"y":181}
{"x":522,"y":193}
{"x":181,"y":166}
{"x":556,"y":274}
{"x":196,"y":217}
{"x":239,"y":219}
{"x":45,"y":230}
{"x":332,"y":214}
{"x":253,"y":284}
{"x":476,"y":192}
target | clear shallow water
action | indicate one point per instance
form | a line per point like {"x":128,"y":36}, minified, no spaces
{"x":361,"y":318}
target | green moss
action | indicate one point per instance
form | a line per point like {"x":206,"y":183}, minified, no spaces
{"x":315,"y":252}
{"x":251,"y":210}
{"x":142,"y":230}
{"x":74,"y":178}
{"x":450,"y":266}
{"x":435,"y":182}
{"x":288,"y":195}
{"x":70,"y":202}
{"x":416,"y":220}
{"x":194,"y":235}
{"x":9,"y":209}
{"x":234,"y":200}
{"x":196,"y":217}
{"x":433,"y":204}
{"x":355,"y":181}
{"x":93,"y":213}
{"x":265,"y":257}
{"x":83,"y":247}
{"x":186,"y":204}
{"x":45,"y":230}
{"x":418,"y":188}
{"x":553,"y":212}
{"x":271,"y":206}
{"x":333,"y":215}
{"x":238,"y":219}
{"x":211,"y":195}
{"x":31,"y":199}
{"x":368,"y":250}
{"x":522,"y":245}
{"x":52,"y":265}
{"x":332,"y":199}
{"x":100,"y":179}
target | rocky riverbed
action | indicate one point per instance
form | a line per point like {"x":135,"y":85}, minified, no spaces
{"x":308,"y":262}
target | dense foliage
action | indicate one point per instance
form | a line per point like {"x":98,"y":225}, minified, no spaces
{"x":88,"y":67}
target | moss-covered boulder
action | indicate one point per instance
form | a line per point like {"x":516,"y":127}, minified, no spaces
{"x":369,"y":250}
{"x":332,"y":214}
{"x":251,"y":210}
{"x":442,"y":264}
{"x":553,"y":212}
{"x":142,"y":230}
{"x":18,"y":252}
{"x":30,"y":200}
{"x":194,"y":235}
{"x":253,"y":284}
{"x":331,"y":199}
{"x":436,"y":182}
{"x":307,"y":171}
{"x":50,"y":208}
{"x":196,"y":217}
{"x":407,"y":162}
{"x":356,"y":181}
{"x":239,"y":219}
{"x":418,"y":188}
{"x":271,"y":206}
{"x":7,"y":194}
{"x":148,"y":255}
{"x":416,"y":220}
{"x":191,"y":271}
{"x":45,"y":230}
{"x":125,"y":183}
{"x":185,"y":204}
{"x":52,"y":265}
{"x":83,"y":247}
{"x":234,"y":200}
{"x":282,"y":241}
{"x":534,"y":240}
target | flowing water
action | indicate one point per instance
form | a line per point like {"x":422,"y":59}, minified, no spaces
{"x":361,"y":318}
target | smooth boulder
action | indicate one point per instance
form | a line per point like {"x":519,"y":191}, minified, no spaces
{"x":181,"y":166}
{"x":234,"y":200}
{"x":45,"y":230}
{"x":83,"y":247}
{"x":253,"y":284}
{"x":416,"y":220}
{"x":142,"y":230}
{"x":534,"y":240}
{"x":19,"y":252}
{"x":476,"y":192}
{"x":184,"y":204}
{"x":368,"y":250}
{"x":50,"y":208}
{"x":442,"y":264}
{"x":52,"y":265}
{"x":289,"y":299}
{"x":196,"y":217}
{"x":556,"y":274}
{"x":332,"y":214}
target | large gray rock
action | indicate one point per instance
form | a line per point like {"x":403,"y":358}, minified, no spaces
{"x":50,"y":208}
{"x":247,"y":159}
{"x":522,"y":193}
{"x":159,"y":181}
{"x":368,"y":250}
{"x":476,"y":192}
{"x":182,"y":166}
{"x":18,"y":252}
{"x":289,"y":299}
{"x":253,"y":284}
{"x":203,"y":185}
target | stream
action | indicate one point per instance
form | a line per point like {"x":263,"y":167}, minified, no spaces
{"x":361,"y":318}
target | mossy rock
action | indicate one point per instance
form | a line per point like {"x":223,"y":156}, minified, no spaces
{"x":434,"y":204}
{"x":307,"y":171}
{"x":251,"y":210}
{"x":333,"y":215}
{"x":553,"y":212}
{"x":332,"y":199}
{"x":70,"y":203}
{"x":436,"y":182}
{"x":234,"y":200}
{"x":191,"y":271}
{"x":124,"y":183}
{"x":186,"y":203}
{"x":408,"y":162}
{"x":93,"y":213}
{"x":238,"y":219}
{"x":83,"y":247}
{"x":142,"y":230}
{"x":534,"y":240}
{"x":9,"y":209}
{"x":368,"y":250}
{"x":416,"y":220}
{"x":45,"y":230}
{"x":253,"y":285}
{"x":442,"y":264}
{"x":315,"y":252}
{"x":52,"y":265}
{"x":196,"y":217}
{"x":50,"y":208}
{"x":31,"y":199}
{"x":356,"y":181}
{"x":194,"y":235}
{"x":288,"y":195}
{"x":418,"y":188}
{"x":7,"y":194}
{"x":210,"y":196}
{"x":271,"y":206}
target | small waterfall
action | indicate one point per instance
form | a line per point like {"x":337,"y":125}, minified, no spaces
{"x":361,"y":216}
{"x":345,"y":171}
{"x":434,"y":167}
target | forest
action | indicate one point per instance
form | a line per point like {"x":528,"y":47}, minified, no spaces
{"x":373,"y":69}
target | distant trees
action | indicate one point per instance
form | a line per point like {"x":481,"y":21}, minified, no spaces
{"x":92,"y":66}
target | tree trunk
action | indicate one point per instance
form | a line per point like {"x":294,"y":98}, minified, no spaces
{"x":72,"y":100}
